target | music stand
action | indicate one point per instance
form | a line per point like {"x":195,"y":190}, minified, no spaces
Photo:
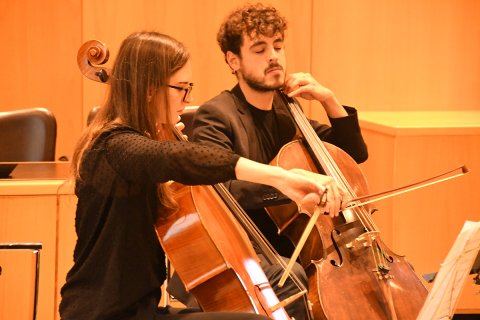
{"x":449,"y":281}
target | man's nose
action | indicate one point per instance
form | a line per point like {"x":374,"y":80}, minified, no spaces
{"x":273,"y":56}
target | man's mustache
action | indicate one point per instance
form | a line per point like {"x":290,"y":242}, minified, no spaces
{"x":273,"y":66}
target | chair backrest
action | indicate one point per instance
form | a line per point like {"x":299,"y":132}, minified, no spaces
{"x":27,"y":135}
{"x":187,"y":119}
{"x":92,"y":114}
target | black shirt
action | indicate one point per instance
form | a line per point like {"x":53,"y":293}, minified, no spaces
{"x":266,"y":128}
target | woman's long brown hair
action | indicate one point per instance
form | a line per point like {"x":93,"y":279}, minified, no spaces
{"x":144,"y":64}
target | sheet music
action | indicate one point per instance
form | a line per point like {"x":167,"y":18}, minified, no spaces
{"x":442,"y":299}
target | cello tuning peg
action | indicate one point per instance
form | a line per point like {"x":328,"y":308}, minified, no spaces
{"x":102,"y":75}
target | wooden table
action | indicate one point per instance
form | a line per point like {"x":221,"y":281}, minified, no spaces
{"x":405,"y":147}
{"x":36,"y":205}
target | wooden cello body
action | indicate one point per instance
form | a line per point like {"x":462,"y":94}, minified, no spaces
{"x":352,"y":274}
{"x":213,"y":256}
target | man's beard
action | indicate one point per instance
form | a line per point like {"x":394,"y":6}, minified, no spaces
{"x":261,"y":86}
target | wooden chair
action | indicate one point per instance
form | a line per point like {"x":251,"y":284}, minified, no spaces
{"x":28,"y":135}
{"x":187,"y":117}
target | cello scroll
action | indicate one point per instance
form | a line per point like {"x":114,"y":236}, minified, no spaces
{"x":93,"y":52}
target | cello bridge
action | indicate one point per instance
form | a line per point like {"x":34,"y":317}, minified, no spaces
{"x":365,"y":240}
{"x":383,"y":272}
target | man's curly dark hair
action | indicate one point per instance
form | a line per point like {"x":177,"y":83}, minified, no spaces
{"x":252,"y":20}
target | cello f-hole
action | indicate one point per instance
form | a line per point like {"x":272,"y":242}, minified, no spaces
{"x":337,"y":249}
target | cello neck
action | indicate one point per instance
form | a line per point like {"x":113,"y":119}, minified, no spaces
{"x":318,"y":151}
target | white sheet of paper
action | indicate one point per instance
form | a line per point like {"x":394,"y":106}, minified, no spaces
{"x":442,"y":299}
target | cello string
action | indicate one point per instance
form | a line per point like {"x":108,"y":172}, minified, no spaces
{"x":329,"y":165}
{"x":316,"y":146}
{"x":376,"y":257}
{"x":266,"y":247}
{"x":327,"y":162}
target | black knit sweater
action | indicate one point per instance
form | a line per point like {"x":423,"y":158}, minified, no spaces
{"x":119,"y":264}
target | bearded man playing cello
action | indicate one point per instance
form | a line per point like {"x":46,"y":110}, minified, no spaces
{"x":252,"y":121}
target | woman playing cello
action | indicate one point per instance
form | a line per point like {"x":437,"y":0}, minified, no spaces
{"x":121,"y":165}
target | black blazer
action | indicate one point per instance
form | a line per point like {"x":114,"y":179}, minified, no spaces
{"x":226,"y":121}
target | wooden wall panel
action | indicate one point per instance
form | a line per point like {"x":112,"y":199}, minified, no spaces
{"x":17,"y":284}
{"x":409,"y":147}
{"x":66,"y":240}
{"x":375,"y":55}
{"x":38,"y":62}
{"x":29,"y":218}
{"x":400,"y":55}
{"x":195,"y":23}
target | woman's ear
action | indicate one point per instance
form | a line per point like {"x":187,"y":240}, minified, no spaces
{"x":233,"y":61}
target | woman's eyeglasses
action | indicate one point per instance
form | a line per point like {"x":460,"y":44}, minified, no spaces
{"x":187,"y":90}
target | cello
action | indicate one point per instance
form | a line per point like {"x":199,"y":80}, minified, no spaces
{"x":204,"y":242}
{"x":352,"y":273}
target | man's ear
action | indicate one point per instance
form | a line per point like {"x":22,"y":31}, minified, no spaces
{"x":233,"y":61}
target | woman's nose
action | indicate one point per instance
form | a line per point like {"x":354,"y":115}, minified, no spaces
{"x":188,"y":98}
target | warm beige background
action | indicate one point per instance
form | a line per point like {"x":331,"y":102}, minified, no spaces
{"x":375,"y":55}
